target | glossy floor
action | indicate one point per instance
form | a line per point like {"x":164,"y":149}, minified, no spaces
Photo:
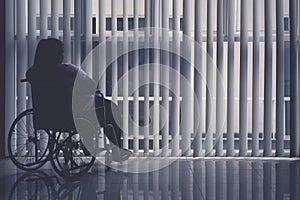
{"x":212,"y":178}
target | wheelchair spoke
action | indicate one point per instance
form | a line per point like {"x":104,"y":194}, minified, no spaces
{"x":23,"y":129}
{"x":22,"y":136}
{"x":21,"y":149}
{"x":27,"y":127}
{"x":18,"y":145}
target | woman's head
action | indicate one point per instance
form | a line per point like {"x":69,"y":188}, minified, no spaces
{"x":49,"y":52}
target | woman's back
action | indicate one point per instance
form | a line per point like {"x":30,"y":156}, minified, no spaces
{"x":52,"y":96}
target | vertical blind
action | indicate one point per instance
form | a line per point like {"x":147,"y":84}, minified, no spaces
{"x":247,"y":106}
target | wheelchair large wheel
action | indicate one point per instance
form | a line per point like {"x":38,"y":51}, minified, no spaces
{"x":27,"y":148}
{"x":70,"y":157}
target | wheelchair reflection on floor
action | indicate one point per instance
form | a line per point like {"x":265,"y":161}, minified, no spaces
{"x":40,"y":185}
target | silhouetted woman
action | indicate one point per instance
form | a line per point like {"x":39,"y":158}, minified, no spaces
{"x":53,"y":83}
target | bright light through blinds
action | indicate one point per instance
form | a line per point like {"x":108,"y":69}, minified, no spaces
{"x":247,"y":52}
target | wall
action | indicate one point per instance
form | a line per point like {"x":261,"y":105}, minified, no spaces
{"x":2,"y":78}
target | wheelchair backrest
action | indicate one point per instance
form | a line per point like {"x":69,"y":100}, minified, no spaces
{"x":52,"y":106}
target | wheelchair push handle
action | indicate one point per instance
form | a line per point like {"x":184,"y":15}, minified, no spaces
{"x":99,"y":94}
{"x":24,"y":80}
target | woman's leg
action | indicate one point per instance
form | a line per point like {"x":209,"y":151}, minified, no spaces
{"x":112,"y":116}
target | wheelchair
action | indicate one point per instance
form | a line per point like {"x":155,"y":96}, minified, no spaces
{"x":31,"y":145}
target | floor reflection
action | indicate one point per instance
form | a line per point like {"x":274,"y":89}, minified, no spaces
{"x":183,"y":179}
{"x":39,"y":185}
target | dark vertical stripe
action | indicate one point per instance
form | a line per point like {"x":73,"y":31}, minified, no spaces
{"x":293,"y":65}
{"x":2,"y":79}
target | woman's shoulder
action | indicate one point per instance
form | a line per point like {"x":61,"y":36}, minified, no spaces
{"x":70,"y":70}
{"x":67,"y":67}
{"x":67,"y":70}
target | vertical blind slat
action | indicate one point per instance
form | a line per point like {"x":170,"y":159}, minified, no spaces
{"x":268,"y":81}
{"x":88,"y":37}
{"x":54,"y":18}
{"x":220,"y":84}
{"x":243,"y":147}
{"x":166,"y":79}
{"x":31,"y":43}
{"x":102,"y":41}
{"x":95,"y":45}
{"x":294,"y":139}
{"x":230,"y":95}
{"x":31,"y":30}
{"x":187,"y":99}
{"x":136,"y":79}
{"x":67,"y":31}
{"x":176,"y":78}
{"x":114,"y":51}
{"x":209,"y":77}
{"x":147,"y":75}
{"x":77,"y":33}
{"x":156,"y":77}
{"x":21,"y":55}
{"x":298,"y":77}
{"x":279,"y":79}
{"x":21,"y":67}
{"x":43,"y":19}
{"x":256,"y":82}
{"x":198,"y":126}
{"x":125,"y":73}
{"x":10,"y":95}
